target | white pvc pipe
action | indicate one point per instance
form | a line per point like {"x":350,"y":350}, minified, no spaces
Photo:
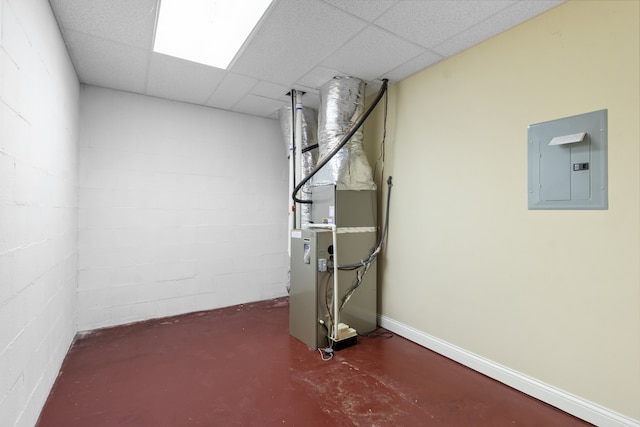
{"x":336,"y":313}
{"x":292,"y":186}
{"x":298,"y":151}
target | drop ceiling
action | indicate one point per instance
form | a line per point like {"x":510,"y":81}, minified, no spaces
{"x":298,"y":44}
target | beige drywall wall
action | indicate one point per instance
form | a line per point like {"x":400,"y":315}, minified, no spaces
{"x":554,"y":295}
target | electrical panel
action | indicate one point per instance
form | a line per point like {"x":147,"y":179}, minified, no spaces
{"x":568,"y":163}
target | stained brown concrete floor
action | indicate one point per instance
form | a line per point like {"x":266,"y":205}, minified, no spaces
{"x":238,"y":366}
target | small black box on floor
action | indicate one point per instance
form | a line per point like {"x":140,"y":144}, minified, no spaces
{"x":344,"y":343}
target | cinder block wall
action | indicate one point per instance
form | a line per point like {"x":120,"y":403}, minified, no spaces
{"x":38,"y":207}
{"x":182,"y":208}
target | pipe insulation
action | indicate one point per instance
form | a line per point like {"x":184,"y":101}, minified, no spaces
{"x":341,"y":104}
{"x":308,"y":135}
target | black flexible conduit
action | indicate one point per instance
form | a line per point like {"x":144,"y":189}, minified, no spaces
{"x":309,"y":148}
{"x":342,"y":143}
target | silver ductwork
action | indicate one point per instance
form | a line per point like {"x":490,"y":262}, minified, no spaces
{"x":341,"y":104}
{"x":308,"y":138}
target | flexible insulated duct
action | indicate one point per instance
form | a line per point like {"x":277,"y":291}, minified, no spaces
{"x":308,"y":138}
{"x":341,"y":104}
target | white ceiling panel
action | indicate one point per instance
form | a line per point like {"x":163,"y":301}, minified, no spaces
{"x":429,"y":23}
{"x":230,"y":91}
{"x":372,"y":53}
{"x":257,"y":105}
{"x":271,"y":90}
{"x":124,"y":21}
{"x":182,"y":80}
{"x":318,"y":76}
{"x":297,"y":35}
{"x":365,"y":9}
{"x":299,"y":44}
{"x":107,"y":63}
{"x":412,"y":66}
{"x":503,"y":20}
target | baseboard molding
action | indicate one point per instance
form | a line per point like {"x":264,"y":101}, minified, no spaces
{"x":583,"y":409}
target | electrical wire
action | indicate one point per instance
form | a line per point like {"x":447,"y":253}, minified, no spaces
{"x":327,"y":304}
{"x":382,"y":334}
{"x":384,"y":139}
{"x":352,"y":130}
{"x":364,"y":265}
{"x":326,"y":351}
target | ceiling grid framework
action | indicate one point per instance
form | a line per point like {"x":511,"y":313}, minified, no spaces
{"x":299,"y":44}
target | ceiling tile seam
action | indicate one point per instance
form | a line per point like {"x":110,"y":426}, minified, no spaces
{"x":83,"y":34}
{"x":322,"y":61}
{"x":359,"y":17}
{"x":235,"y":105}
{"x":242,"y":97}
{"x":306,"y":89}
{"x":254,"y":32}
{"x":390,"y":33}
{"x":216,"y":88}
{"x":147,"y":73}
{"x":441,"y":58}
{"x":265,"y":97}
{"x":424,"y":49}
{"x":173,"y":100}
{"x":155,"y":26}
{"x":477,"y":23}
{"x":294,"y":83}
{"x":413,"y":42}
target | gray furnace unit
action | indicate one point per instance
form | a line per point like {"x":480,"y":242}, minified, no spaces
{"x":312,"y":258}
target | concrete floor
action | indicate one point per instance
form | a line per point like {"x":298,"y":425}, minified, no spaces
{"x":238,"y":366}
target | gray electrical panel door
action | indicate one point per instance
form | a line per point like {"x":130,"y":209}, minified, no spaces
{"x":568,"y":163}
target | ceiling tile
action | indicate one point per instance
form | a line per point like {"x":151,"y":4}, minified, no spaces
{"x":257,"y":105}
{"x":175,"y":78}
{"x":372,"y":53}
{"x":365,"y":9}
{"x":503,"y":20}
{"x":300,"y":44}
{"x":318,"y":76}
{"x":429,"y":23}
{"x":293,"y":39}
{"x":412,"y":66}
{"x":124,"y":21}
{"x":230,"y":91}
{"x":106,"y":63}
{"x":271,"y":90}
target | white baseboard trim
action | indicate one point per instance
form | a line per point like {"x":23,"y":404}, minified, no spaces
{"x":583,"y":409}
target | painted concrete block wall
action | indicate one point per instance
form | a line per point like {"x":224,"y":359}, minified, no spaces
{"x":182,"y":208}
{"x":38,"y":207}
{"x":553,"y":295}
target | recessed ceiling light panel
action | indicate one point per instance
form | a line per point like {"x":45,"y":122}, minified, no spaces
{"x":206,"y":31}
